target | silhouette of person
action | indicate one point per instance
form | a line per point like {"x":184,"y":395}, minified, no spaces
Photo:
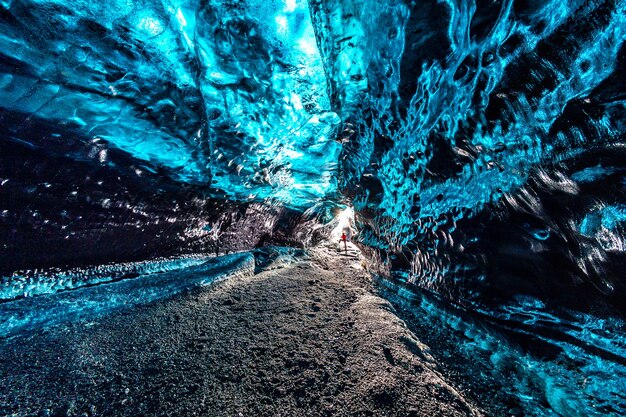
{"x":344,"y":238}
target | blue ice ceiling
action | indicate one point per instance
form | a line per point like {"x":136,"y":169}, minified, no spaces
{"x":482,"y":145}
{"x":442,"y":122}
{"x":227,"y":94}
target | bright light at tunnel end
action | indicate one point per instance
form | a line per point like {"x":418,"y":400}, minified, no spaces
{"x":344,"y":223}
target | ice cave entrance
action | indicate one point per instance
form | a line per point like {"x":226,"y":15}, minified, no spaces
{"x":344,"y":224}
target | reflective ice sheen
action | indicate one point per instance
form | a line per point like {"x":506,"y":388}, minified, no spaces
{"x":231,"y":94}
{"x":481,"y":144}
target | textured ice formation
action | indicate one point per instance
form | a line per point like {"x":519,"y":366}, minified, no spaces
{"x":440,"y":121}
{"x":227,"y":93}
{"x":481,"y":144}
{"x":89,"y":302}
{"x":483,"y":150}
{"x":33,"y":283}
{"x":489,"y":138}
{"x":554,"y":363}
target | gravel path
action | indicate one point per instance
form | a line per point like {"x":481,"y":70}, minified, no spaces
{"x":309,"y":339}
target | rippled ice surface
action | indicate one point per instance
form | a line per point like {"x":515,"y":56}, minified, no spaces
{"x":555,"y":362}
{"x":481,"y":144}
{"x":27,"y":314}
{"x":32,"y":283}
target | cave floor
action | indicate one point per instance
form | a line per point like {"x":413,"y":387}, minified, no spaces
{"x":308,"y":339}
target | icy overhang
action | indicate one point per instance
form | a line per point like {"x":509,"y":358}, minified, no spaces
{"x":230,"y":94}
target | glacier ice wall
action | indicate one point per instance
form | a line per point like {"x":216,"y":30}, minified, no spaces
{"x":136,"y":129}
{"x":481,"y":138}
{"x":483,"y":150}
{"x":231,"y":94}
{"x":443,"y":122}
{"x":481,"y":144}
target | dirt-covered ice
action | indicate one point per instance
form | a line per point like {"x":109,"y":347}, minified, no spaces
{"x":308,"y":339}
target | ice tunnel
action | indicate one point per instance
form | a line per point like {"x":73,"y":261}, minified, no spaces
{"x":176,"y":174}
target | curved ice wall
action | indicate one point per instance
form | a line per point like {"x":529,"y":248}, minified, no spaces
{"x":483,"y":150}
{"x":484,"y":142}
{"x":133,"y":129}
{"x":481,"y":144}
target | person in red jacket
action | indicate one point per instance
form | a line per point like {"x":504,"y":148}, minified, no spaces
{"x":344,"y":239}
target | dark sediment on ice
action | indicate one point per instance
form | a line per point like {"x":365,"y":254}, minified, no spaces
{"x":308,"y":339}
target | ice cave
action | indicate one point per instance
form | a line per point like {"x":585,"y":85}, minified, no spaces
{"x":303,"y":208}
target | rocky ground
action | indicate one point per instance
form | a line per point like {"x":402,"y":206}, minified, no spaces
{"x":307,"y":339}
